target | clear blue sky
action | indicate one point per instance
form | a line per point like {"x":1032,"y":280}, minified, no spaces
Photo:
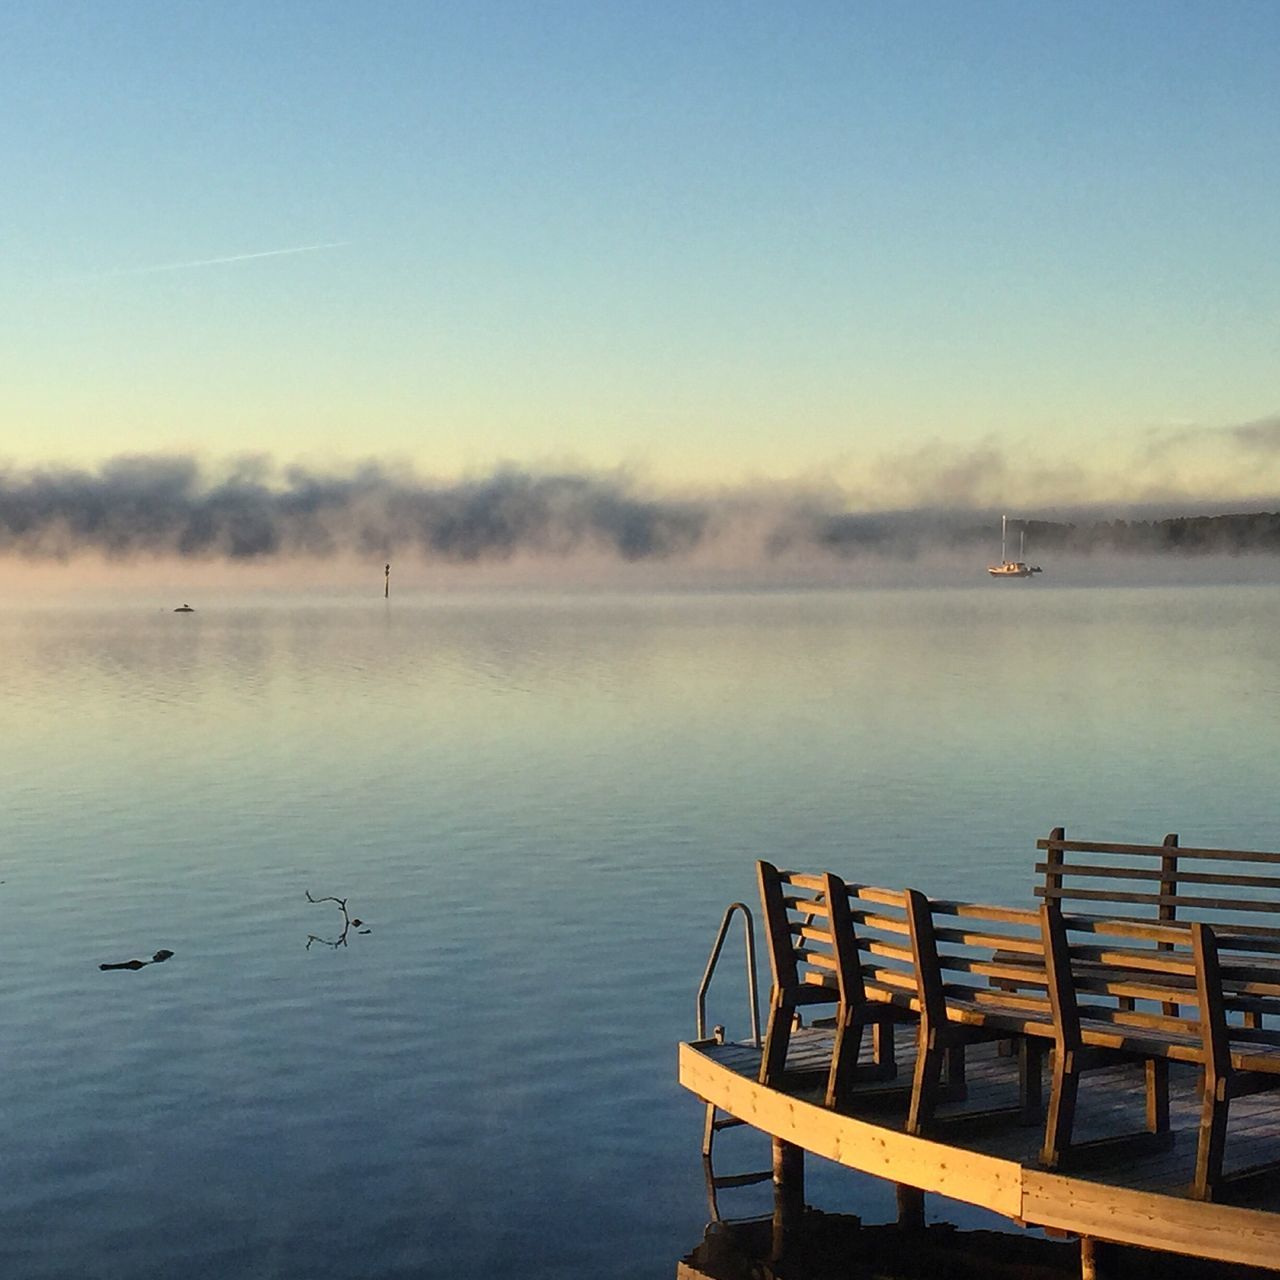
{"x":712,"y":241}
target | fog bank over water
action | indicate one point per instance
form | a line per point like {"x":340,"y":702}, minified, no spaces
{"x":290,"y":523}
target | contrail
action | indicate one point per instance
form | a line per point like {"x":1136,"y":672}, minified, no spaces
{"x":216,"y":262}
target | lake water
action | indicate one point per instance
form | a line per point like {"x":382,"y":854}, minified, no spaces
{"x":538,"y":807}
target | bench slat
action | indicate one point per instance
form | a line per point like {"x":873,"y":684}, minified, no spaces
{"x":811,"y":933}
{"x":1002,"y":999}
{"x":1155,"y":850}
{"x":990,"y":969}
{"x":997,"y":942}
{"x":869,"y":893}
{"x":1174,"y":963}
{"x":886,"y":924}
{"x":1155,"y":899}
{"x":890,"y":977}
{"x":986,"y":911}
{"x":1157,"y":992}
{"x":804,"y":881}
{"x":1151,"y":873}
{"x":809,"y":906}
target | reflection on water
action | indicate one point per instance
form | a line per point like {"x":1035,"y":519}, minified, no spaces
{"x":831,"y":1246}
{"x":348,"y":923}
{"x":544,"y":805}
{"x":840,"y":1247}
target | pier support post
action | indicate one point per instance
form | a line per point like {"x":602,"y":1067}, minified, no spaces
{"x":910,"y":1207}
{"x":788,"y":1195}
{"x":1093,"y":1255}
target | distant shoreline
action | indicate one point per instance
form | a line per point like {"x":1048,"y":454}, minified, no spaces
{"x":1258,"y":531}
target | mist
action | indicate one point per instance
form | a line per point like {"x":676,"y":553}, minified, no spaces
{"x":169,"y":506}
{"x":258,"y":513}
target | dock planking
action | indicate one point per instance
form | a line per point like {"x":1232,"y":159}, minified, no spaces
{"x":1133,"y":1196}
{"x":992,"y":1082}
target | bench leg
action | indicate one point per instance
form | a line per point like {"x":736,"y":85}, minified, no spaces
{"x":955,"y":1069}
{"x":925,"y":1084}
{"x":1030,"y":1080}
{"x":1213,"y":1140}
{"x":883,"y":1051}
{"x":844,"y":1057}
{"x":1004,"y":1048}
{"x":846,"y":1060}
{"x":776,"y":1040}
{"x":1062,"y":1109}
{"x":1157,"y":1095}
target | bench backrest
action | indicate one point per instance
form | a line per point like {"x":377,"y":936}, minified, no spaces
{"x":828,"y":936}
{"x":875,"y":920}
{"x":1237,"y":891}
{"x":979,"y":955}
{"x":1249,"y":982}
{"x":1133,"y":976}
{"x":798,"y":933}
{"x":1191,"y":981}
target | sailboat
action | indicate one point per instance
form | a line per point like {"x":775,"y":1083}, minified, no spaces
{"x":1012,"y":568}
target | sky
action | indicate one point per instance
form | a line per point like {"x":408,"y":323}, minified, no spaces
{"x":1009,"y":253}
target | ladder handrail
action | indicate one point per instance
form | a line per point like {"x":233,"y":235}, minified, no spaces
{"x":749,"y":937}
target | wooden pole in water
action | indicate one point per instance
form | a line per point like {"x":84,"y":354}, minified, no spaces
{"x":788,"y":1195}
{"x":1088,"y":1259}
{"x":386,"y":586}
{"x":1092,"y":1259}
{"x":910,"y":1207}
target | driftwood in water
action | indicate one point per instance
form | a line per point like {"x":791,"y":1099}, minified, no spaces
{"x":158,"y":958}
{"x":347,"y":924}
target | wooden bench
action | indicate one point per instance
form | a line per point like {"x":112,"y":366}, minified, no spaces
{"x":815,"y":957}
{"x":981,"y":976}
{"x":1235,"y":891}
{"x":1164,"y":883}
{"x":1124,"y":990}
{"x":859,"y":947}
{"x":1094,"y":990}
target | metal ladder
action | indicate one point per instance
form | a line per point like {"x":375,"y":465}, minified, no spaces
{"x":715,"y":1122}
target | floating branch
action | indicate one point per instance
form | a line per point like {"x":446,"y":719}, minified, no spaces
{"x":347,"y":924}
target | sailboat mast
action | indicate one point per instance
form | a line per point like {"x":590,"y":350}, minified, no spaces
{"x":1004,"y":521}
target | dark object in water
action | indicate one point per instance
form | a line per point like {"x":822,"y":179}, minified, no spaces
{"x":347,"y":923}
{"x":158,"y":958}
{"x":185,"y":608}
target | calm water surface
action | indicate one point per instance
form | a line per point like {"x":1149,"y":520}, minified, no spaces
{"x":539,"y":807}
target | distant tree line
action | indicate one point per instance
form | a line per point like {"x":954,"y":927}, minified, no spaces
{"x":1230,"y":534}
{"x":908,"y":534}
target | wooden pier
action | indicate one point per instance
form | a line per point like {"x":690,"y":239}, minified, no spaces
{"x":1162,"y":1128}
{"x":1135,"y":1198}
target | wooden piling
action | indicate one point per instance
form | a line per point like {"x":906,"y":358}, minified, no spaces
{"x":788,"y":1195}
{"x":910,"y":1207}
{"x":1090,"y":1259}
